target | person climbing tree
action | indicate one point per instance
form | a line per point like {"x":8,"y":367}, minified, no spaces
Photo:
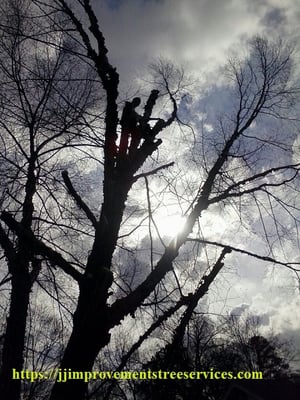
{"x":130,"y":128}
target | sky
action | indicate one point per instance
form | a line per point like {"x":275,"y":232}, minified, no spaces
{"x":196,"y":33}
{"x":200,"y":35}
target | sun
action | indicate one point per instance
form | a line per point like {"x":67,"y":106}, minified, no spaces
{"x":169,"y":225}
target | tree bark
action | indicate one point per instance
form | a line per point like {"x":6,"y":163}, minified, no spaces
{"x":89,"y":335}
{"x":91,"y":322}
{"x":14,"y":340}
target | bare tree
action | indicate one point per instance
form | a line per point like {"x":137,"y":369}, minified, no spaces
{"x":42,"y":104}
{"x":262,"y":90}
{"x":267,"y":353}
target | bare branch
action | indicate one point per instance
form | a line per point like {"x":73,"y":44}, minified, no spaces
{"x":248,"y":253}
{"x":153,"y":172}
{"x":81,"y":204}
{"x":39,"y":247}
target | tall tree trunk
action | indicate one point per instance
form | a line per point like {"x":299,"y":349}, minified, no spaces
{"x":21,"y":284}
{"x":12,"y":356}
{"x":90,"y":333}
{"x":87,"y":347}
{"x":91,"y":322}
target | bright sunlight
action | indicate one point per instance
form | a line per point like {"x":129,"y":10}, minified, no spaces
{"x":169,"y":225}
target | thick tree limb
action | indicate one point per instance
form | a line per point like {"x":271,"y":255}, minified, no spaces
{"x":200,"y":292}
{"x":150,"y":104}
{"x":167,"y":314}
{"x":191,"y":300}
{"x":39,"y":247}
{"x":81,"y":204}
